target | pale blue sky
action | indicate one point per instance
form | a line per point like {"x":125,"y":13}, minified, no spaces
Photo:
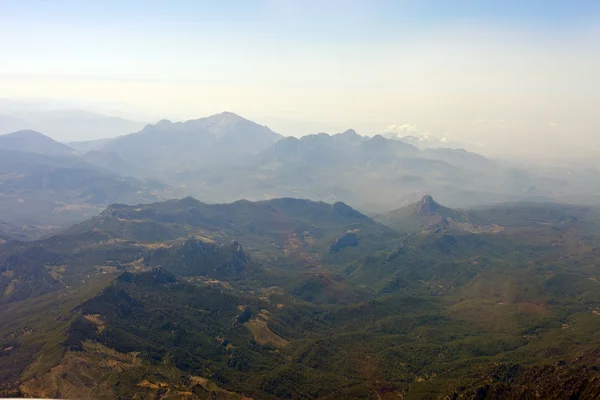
{"x":495,"y":72}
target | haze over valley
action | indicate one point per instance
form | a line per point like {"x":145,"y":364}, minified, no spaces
{"x":225,"y":157}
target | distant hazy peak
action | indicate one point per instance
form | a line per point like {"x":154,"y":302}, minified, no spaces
{"x":34,"y":142}
{"x":378,"y":138}
{"x":349,"y":132}
{"x":189,"y":201}
{"x":190,"y":144}
{"x":427,"y":206}
{"x":228,"y":116}
{"x":27,"y":133}
{"x":225,"y":118}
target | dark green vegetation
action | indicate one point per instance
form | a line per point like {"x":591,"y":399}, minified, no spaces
{"x":294,"y":299}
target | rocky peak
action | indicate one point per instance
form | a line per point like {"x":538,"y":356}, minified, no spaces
{"x":238,"y":251}
{"x":236,"y":247}
{"x":114,"y":210}
{"x":427,"y":206}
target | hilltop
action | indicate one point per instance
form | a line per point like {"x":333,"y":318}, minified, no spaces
{"x":423,"y":214}
{"x":34,"y":142}
{"x":294,"y":227}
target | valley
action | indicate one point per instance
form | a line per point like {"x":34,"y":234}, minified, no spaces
{"x":183,"y":299}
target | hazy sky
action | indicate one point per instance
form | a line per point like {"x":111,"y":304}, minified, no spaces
{"x":509,"y":74}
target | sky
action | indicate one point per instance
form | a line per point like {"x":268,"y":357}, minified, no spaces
{"x":506,"y":77}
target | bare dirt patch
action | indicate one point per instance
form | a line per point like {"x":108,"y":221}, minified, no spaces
{"x":263,"y":335}
{"x":97,"y":320}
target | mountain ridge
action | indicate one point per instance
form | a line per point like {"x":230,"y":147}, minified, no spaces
{"x":66,"y":125}
{"x":34,"y":142}
{"x":172,"y":146}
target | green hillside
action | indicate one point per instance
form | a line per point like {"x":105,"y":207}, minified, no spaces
{"x":294,"y":299}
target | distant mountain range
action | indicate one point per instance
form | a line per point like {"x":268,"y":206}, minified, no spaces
{"x":45,"y":185}
{"x":34,"y":142}
{"x":68,"y":125}
{"x":173,"y":147}
{"x":372,"y":173}
{"x":426,"y":141}
{"x":225,"y":157}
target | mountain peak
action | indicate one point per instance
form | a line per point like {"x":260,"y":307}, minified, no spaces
{"x":163,"y":122}
{"x":27,"y":133}
{"x":225,"y":117}
{"x":189,"y":201}
{"x":227,"y":123}
{"x":427,"y":206}
{"x":378,"y":138}
{"x":350,"y":132}
{"x":34,"y":142}
{"x":229,"y":114}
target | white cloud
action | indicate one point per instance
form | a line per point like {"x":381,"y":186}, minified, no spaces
{"x":480,"y":120}
{"x":553,"y":124}
{"x":404,"y":128}
{"x":410,"y":130}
